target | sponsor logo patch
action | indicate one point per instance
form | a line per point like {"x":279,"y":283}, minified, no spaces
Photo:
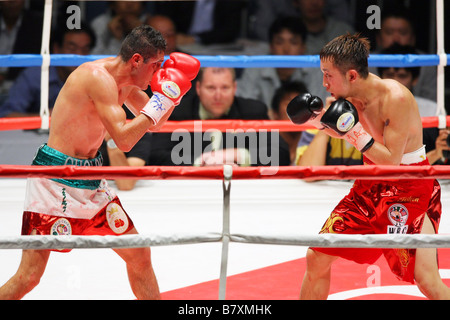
{"x":117,"y":219}
{"x":171,"y":89}
{"x":61,"y":227}
{"x":345,"y":122}
{"x":398,"y":216}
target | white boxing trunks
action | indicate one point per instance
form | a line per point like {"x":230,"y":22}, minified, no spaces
{"x":71,"y":207}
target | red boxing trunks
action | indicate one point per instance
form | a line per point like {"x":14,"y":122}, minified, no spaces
{"x":71,"y":207}
{"x":385,"y":207}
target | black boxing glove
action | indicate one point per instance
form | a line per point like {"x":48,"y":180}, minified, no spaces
{"x":306,"y":108}
{"x":342,"y":118}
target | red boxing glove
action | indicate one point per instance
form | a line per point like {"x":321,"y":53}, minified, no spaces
{"x":169,"y":86}
{"x":170,"y":83}
{"x":183,"y":62}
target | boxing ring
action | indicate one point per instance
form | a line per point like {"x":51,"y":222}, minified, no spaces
{"x":217,"y":232}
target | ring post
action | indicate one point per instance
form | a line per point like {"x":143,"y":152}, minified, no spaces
{"x":45,"y":52}
{"x":227,"y":175}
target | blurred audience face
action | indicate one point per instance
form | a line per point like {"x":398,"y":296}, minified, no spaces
{"x":287,"y":43}
{"x":402,"y":75}
{"x":167,"y":28}
{"x":395,"y":30}
{"x":216,"y":89}
{"x":311,"y":10}
{"x":282,"y":114}
{"x":11,"y":9}
{"x":127,"y":7}
{"x":74,"y":43}
{"x":127,"y":17}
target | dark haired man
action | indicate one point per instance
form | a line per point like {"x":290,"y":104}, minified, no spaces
{"x":381,"y":119}
{"x":24,"y":96}
{"x":88,"y":106}
{"x":398,"y":27}
{"x":287,"y":36}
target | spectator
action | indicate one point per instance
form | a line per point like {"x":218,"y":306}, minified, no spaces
{"x":287,"y":37}
{"x":265,"y":12}
{"x":408,"y":76}
{"x":214,"y":98}
{"x":20,"y":32}
{"x":24,"y":96}
{"x":167,"y":28}
{"x":397,"y":27}
{"x":322,"y":149}
{"x":112,"y":26}
{"x":321,"y":27}
{"x":435,"y":140}
{"x":139,"y":155}
{"x":437,"y":145}
{"x":204,"y":21}
{"x":283,"y":95}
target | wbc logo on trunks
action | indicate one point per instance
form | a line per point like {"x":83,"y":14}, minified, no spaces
{"x":398,"y":216}
{"x":61,"y":227}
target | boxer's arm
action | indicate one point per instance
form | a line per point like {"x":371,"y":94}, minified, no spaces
{"x":117,"y":158}
{"x":136,"y":100}
{"x":395,"y":133}
{"x":103,"y":91}
{"x":316,"y":153}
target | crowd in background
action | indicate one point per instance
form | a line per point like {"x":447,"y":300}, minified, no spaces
{"x":272,"y":27}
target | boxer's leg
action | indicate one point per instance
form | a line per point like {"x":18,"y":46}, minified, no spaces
{"x":28,"y":275}
{"x":140,"y":271}
{"x":316,"y":282}
{"x":426,"y":270}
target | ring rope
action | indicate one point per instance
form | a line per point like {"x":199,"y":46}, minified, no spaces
{"x":226,"y":173}
{"x":28,"y":123}
{"x":238,"y":173}
{"x":42,"y":242}
{"x":239,"y":61}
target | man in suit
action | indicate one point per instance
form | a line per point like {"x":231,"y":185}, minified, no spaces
{"x":24,"y":96}
{"x":20,"y":32}
{"x":214,"y":98}
{"x":204,"y":21}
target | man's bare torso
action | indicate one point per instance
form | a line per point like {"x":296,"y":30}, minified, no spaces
{"x":390,"y":104}
{"x":76,"y":127}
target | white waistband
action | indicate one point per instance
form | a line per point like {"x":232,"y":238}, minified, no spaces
{"x":414,"y":157}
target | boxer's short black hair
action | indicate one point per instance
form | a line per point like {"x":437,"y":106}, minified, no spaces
{"x":144,"y":40}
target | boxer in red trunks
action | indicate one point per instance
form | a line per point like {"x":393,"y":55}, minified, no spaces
{"x":380,"y":118}
{"x":377,"y":207}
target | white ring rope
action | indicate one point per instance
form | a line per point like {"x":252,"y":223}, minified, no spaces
{"x":42,"y":242}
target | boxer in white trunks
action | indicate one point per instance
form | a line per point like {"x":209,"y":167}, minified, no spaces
{"x":88,"y":106}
